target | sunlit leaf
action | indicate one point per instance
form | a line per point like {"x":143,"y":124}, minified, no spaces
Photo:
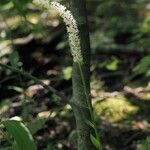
{"x":95,"y":142}
{"x":20,"y":133}
{"x":67,"y":73}
{"x":16,"y":88}
{"x":113,"y":65}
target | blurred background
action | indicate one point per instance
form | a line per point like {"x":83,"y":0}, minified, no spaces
{"x":34,"y":40}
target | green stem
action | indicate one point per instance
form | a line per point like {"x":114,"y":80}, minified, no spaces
{"x":89,"y":103}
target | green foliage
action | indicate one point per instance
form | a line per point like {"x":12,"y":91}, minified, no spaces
{"x":112,"y":64}
{"x":67,"y":73}
{"x":146,"y":144}
{"x":73,"y":136}
{"x":123,"y":21}
{"x":21,"y":134}
{"x":7,"y":6}
{"x":14,"y":59}
{"x":120,"y":14}
{"x":16,"y":89}
{"x":18,"y":5}
{"x":95,"y":142}
{"x":37,"y":124}
{"x":110,"y":19}
{"x":90,"y":124}
{"x":146,"y":25}
{"x":143,"y":67}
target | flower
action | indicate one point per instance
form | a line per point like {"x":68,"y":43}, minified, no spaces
{"x":71,"y":25}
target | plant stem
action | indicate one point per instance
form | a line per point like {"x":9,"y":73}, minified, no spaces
{"x":88,"y":99}
{"x":81,"y":102}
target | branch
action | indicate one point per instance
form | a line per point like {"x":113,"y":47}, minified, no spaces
{"x":116,"y":49}
{"x":29,"y":76}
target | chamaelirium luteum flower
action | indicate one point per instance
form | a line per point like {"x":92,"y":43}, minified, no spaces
{"x":71,"y":26}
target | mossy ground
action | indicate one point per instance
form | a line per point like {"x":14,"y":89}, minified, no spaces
{"x":116,"y":109}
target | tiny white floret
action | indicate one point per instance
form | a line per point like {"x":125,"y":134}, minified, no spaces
{"x":71,"y":25}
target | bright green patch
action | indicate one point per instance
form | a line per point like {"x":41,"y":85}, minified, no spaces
{"x":67,"y":73}
{"x":115,"y":109}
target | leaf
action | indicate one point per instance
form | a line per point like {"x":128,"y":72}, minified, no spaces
{"x":16,"y":88}
{"x":143,"y":66}
{"x":15,"y":147}
{"x":95,"y":142}
{"x":90,"y":124}
{"x":21,"y":134}
{"x":20,"y":7}
{"x":37,"y":124}
{"x":14,"y":59}
{"x":67,"y":73}
{"x":6,"y":7}
{"x":113,"y":65}
{"x":146,"y":144}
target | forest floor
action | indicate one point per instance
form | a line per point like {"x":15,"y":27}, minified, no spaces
{"x":121,"y":103}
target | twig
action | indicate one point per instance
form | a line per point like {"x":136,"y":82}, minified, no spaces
{"x":117,"y":49}
{"x":27,"y":75}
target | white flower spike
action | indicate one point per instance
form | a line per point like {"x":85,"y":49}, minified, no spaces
{"x":71,"y":25}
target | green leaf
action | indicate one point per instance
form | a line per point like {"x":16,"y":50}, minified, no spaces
{"x":90,"y":124}
{"x":6,"y":7}
{"x":95,"y":142}
{"x":16,"y":88}
{"x":113,"y":65}
{"x":37,"y":124}
{"x":67,"y":73}
{"x":143,"y":66}
{"x":20,"y":7}
{"x":14,"y":59}
{"x":20,"y":133}
{"x":146,"y":144}
{"x":15,"y":147}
